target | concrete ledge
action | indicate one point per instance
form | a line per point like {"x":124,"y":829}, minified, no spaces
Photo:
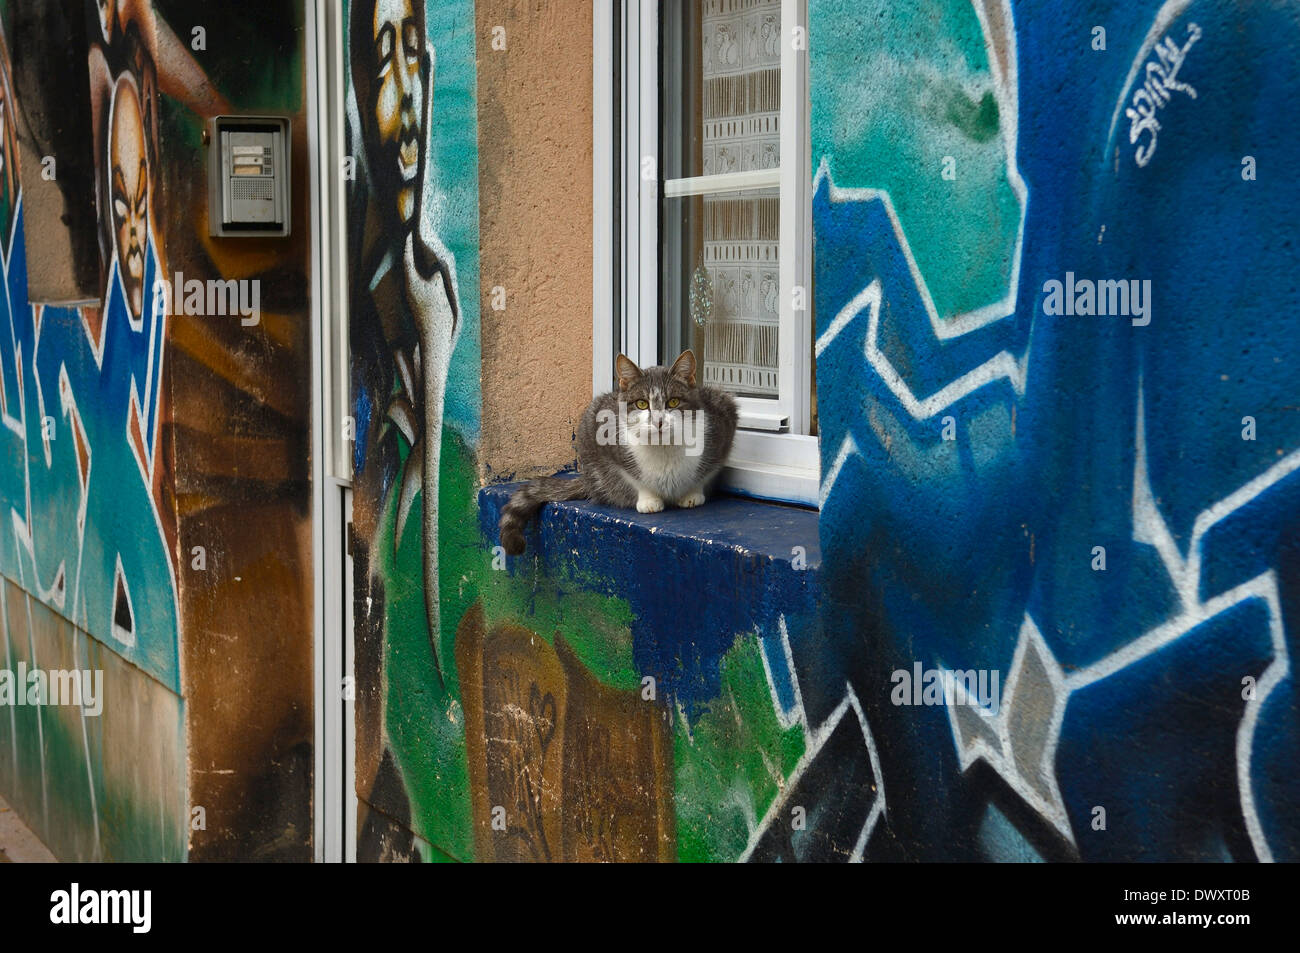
{"x":755,"y":529}
{"x":693,"y":579}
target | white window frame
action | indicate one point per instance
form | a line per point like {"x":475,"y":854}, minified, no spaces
{"x":773,"y":455}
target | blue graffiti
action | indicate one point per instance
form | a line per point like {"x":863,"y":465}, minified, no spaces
{"x":80,"y":526}
{"x":1106,"y":512}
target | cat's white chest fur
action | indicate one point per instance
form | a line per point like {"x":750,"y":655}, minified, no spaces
{"x":670,"y":472}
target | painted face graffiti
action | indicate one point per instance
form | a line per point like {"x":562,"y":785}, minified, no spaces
{"x":399,"y":103}
{"x":130,"y":189}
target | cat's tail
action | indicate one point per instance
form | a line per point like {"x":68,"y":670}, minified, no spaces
{"x":528,"y":499}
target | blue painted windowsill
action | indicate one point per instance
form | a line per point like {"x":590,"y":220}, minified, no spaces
{"x":694,"y":579}
{"x":749,"y":529}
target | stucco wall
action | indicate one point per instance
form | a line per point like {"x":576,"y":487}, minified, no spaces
{"x":535,"y":206}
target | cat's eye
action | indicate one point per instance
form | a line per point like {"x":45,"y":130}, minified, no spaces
{"x":674,"y":401}
{"x":642,"y":404}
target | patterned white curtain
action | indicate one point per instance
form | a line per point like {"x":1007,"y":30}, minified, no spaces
{"x":741,"y":116}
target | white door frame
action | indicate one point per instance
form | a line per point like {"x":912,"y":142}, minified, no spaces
{"x":334,"y":815}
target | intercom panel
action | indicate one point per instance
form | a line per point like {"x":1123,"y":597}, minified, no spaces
{"x":249,"y":176}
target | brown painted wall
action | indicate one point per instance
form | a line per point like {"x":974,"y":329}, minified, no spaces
{"x":535,"y":226}
{"x":240,"y":431}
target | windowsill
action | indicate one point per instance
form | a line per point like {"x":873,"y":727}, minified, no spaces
{"x":775,"y":467}
{"x":693,"y":581}
{"x":733,"y":528}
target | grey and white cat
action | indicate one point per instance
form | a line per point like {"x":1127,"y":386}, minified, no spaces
{"x":659,"y":439}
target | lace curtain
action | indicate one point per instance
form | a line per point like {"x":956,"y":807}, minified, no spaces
{"x":741,"y":46}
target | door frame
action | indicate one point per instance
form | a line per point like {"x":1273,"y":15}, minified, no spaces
{"x":334,"y":816}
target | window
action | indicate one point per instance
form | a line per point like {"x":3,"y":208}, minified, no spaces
{"x":702,"y":225}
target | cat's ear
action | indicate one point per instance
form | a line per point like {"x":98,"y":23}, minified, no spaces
{"x":684,"y":368}
{"x":627,"y":371}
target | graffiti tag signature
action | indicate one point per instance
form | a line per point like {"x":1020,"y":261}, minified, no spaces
{"x":1154,"y":93}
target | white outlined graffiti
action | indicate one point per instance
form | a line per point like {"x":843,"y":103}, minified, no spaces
{"x":81,"y":410}
{"x":971,"y":736}
{"x":815,"y":740}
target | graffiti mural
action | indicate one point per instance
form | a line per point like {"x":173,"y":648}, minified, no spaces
{"x":694,"y":636}
{"x":408,"y":278}
{"x":502,"y":712}
{"x":131,"y":40}
{"x":1046,"y":609}
{"x":137,"y":442}
{"x":85,"y":528}
{"x":574,"y":770}
{"x":1097,"y":499}
{"x":413,"y":235}
{"x":238,"y":433}
{"x":81,"y":411}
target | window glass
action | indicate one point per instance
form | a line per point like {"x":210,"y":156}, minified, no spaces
{"x":720,"y":103}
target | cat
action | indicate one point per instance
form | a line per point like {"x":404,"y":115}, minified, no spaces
{"x":660,"y":438}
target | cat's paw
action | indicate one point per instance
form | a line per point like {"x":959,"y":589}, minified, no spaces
{"x":649,"y":503}
{"x":694,"y":498}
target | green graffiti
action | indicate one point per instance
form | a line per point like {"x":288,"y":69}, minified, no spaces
{"x":929,"y":130}
{"x":732,"y":762}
